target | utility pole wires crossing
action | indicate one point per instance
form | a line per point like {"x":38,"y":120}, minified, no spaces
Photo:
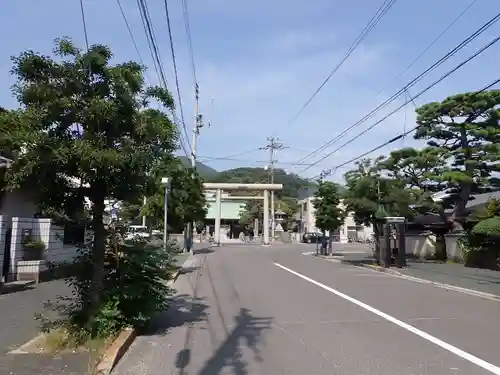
{"x":272,"y":146}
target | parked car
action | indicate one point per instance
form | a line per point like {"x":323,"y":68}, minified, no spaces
{"x":139,"y":231}
{"x":312,"y":237}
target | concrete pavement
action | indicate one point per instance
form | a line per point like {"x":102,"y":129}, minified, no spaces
{"x":252,"y":310}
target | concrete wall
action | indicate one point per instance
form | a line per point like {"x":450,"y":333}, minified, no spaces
{"x":42,"y":230}
{"x":308,"y":218}
{"x":423,"y":246}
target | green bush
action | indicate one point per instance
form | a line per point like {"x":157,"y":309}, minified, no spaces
{"x":134,"y":289}
{"x":488,"y":228}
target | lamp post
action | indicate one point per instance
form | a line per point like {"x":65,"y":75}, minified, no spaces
{"x":165,"y":181}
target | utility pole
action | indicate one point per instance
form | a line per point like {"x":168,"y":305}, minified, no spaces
{"x":198,"y":124}
{"x":272,"y":146}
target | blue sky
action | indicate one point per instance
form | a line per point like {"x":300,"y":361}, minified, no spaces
{"x":257,"y":62}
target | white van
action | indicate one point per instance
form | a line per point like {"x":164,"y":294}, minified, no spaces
{"x":137,"y":231}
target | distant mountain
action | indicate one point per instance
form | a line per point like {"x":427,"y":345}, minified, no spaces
{"x":292,"y":183}
{"x":206,"y":172}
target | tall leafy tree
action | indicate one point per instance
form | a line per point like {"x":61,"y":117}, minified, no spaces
{"x":329,"y":215}
{"x":465,"y":127}
{"x":419,"y":171}
{"x":87,"y":119}
{"x":370,"y":196}
{"x":186,"y":201}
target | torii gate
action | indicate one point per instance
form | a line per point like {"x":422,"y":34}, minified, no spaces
{"x":265,"y":188}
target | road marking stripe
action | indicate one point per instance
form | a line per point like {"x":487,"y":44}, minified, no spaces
{"x":452,"y":349}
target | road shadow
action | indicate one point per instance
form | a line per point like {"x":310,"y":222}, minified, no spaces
{"x":364,"y":261}
{"x":15,"y":287}
{"x":204,"y":250}
{"x":247,"y":332}
{"x":188,"y":270}
{"x":183,"y":310}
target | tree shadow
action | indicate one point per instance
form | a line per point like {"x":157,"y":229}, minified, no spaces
{"x":204,"y":250}
{"x":369,"y":260}
{"x":247,"y":331}
{"x":14,"y":287}
{"x":183,"y":309}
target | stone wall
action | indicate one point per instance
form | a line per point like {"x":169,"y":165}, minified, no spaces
{"x":423,"y":246}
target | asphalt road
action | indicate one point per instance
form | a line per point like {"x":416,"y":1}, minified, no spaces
{"x":274,"y":311}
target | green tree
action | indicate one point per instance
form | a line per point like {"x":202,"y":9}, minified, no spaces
{"x":419,"y":172}
{"x":186,"y":200}
{"x":329,"y":215}
{"x":371,"y":196}
{"x":465,"y":127}
{"x":83,"y":117}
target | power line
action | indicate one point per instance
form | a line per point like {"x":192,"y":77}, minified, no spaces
{"x":402,"y":134}
{"x":157,"y":61}
{"x":433,"y":42}
{"x":82,"y":12}
{"x":189,"y":39}
{"x":172,"y":50}
{"x":470,"y":58}
{"x":414,"y":81}
{"x":382,"y":10}
{"x":130,"y":32}
{"x":136,"y":47}
{"x":230,"y":157}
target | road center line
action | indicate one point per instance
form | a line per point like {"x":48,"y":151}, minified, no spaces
{"x":452,"y":349}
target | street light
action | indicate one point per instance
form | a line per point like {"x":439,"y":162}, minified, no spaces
{"x":165,"y":181}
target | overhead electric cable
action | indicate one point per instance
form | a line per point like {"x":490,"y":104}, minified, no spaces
{"x":392,"y":140}
{"x":82,"y":12}
{"x":381,"y":12}
{"x":414,"y":81}
{"x":470,"y":58}
{"x":131,"y":34}
{"x":157,"y":61}
{"x":172,"y":50}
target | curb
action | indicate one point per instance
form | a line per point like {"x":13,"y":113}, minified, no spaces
{"x":122,"y":343}
{"x":115,"y":351}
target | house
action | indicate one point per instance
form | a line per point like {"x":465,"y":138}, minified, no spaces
{"x":19,"y":223}
{"x":307,"y":219}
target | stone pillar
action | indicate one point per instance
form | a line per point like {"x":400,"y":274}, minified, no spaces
{"x":256,"y":227}
{"x":218,"y":210}
{"x":265,"y":224}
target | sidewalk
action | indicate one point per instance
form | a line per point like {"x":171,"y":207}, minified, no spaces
{"x":482,"y":280}
{"x":19,"y":326}
{"x":454,"y":274}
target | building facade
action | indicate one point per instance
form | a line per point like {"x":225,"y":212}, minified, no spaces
{"x":349,"y":230}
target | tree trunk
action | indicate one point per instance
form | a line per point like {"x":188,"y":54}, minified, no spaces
{"x":376,"y":233}
{"x":98,"y":254}
{"x":458,"y":216}
{"x":323,"y":242}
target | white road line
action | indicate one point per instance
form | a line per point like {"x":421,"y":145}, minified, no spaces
{"x":459,"y":352}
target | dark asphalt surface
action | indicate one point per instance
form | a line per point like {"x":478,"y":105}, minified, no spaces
{"x":237,"y":312}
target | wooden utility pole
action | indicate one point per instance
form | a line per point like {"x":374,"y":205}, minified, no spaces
{"x":272,"y":146}
{"x":198,"y":124}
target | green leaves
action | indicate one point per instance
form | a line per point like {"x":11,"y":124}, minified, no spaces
{"x":377,"y":187}
{"x":86,"y":118}
{"x":186,"y":201}
{"x":329,"y":215}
